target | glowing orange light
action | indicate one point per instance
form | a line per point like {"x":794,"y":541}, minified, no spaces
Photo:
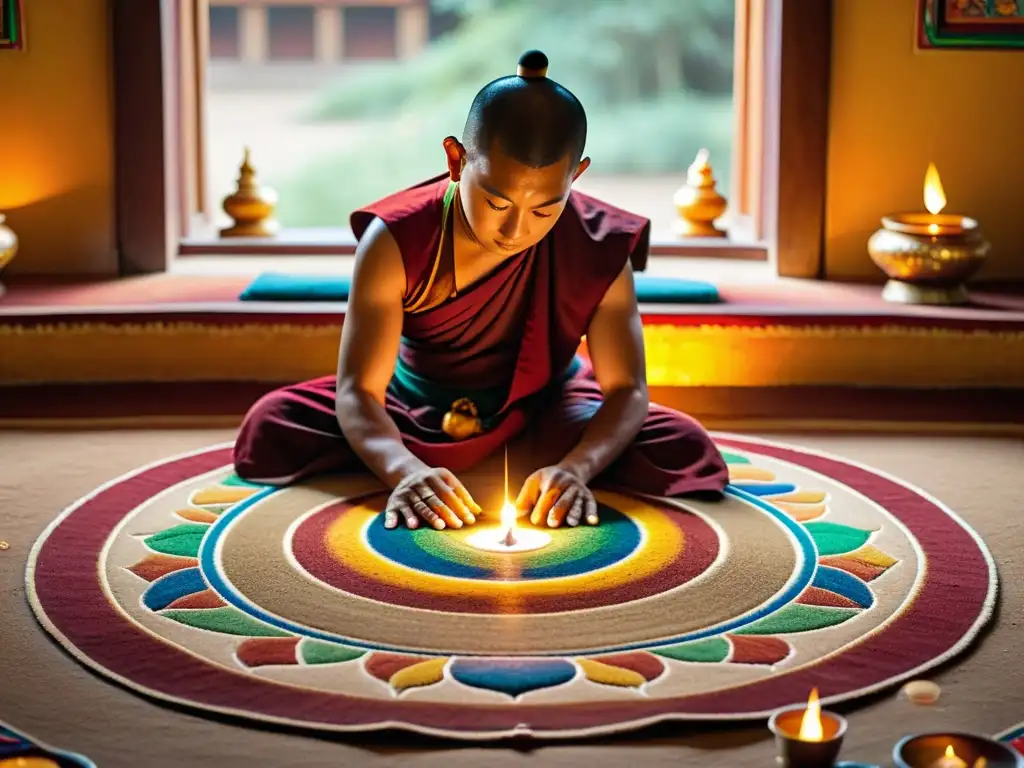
{"x":934,"y":196}
{"x":508,"y":511}
{"x":950,"y":760}
{"x":811,"y":728}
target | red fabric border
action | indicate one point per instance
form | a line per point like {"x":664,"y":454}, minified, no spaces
{"x":70,"y":594}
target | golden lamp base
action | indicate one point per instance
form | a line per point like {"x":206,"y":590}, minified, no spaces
{"x":251,"y":229}
{"x":924,"y":268}
{"x":900,"y":292}
{"x":697,"y":229}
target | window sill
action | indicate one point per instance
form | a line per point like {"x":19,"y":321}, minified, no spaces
{"x":340,"y":242}
{"x":716,"y":270}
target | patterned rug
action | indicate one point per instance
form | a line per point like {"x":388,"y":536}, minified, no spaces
{"x":296,"y":606}
{"x":19,"y":750}
{"x":1014,"y":737}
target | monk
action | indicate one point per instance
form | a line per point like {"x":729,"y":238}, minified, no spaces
{"x":470,"y":297}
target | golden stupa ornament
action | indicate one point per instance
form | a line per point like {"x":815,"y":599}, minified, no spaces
{"x":8,"y":247}
{"x":697,"y":202}
{"x":251,"y":206}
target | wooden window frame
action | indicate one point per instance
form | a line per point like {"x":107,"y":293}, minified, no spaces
{"x":781,"y":87}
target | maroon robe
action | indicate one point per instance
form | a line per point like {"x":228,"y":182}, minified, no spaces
{"x":510,"y":338}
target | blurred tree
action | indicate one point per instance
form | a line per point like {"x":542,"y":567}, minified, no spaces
{"x":654,"y":75}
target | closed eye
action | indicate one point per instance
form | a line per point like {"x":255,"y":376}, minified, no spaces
{"x":497,"y":207}
{"x":540,"y":215}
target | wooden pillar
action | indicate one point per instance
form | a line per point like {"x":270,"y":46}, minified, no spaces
{"x":252,"y":28}
{"x":413,"y":29}
{"x":330,"y":33}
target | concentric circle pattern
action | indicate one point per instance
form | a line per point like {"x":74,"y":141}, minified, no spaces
{"x":296,"y":605}
{"x":629,"y":556}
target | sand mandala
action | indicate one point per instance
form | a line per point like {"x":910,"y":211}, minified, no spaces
{"x":296,"y":606}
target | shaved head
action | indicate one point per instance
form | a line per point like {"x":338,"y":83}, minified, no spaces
{"x":530,"y":118}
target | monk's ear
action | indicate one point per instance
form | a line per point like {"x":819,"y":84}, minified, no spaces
{"x":455,"y":154}
{"x":584,"y":164}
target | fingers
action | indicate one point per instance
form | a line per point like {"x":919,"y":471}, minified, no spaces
{"x":562,"y":506}
{"x":528,"y":494}
{"x":576,"y":512}
{"x":547,"y":500}
{"x":450,"y":498}
{"x":591,"y":511}
{"x":432,"y":509}
{"x":397,"y":510}
{"x":460,"y":490}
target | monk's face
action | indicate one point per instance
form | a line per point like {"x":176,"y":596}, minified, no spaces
{"x":508,"y":206}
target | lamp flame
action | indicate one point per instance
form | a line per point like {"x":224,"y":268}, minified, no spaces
{"x":934,"y":196}
{"x":810,"y":727}
{"x":508,"y":516}
{"x":508,"y":511}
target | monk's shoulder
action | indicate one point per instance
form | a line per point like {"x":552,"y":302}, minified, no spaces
{"x":606,"y":233}
{"x":412,"y":217}
{"x":379,"y":265}
{"x":408,"y":210}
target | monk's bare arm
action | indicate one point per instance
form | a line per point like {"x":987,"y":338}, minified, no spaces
{"x":616,"y":345}
{"x":370,"y":337}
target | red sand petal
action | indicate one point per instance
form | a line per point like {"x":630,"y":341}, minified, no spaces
{"x":644,"y":664}
{"x":156,"y":565}
{"x":205,"y":599}
{"x":758,"y":650}
{"x":266,"y":651}
{"x":819,"y":596}
{"x":383,"y":665}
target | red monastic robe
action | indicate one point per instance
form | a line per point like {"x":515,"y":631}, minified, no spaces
{"x":508,"y":342}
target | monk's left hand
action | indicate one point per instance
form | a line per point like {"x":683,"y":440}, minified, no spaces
{"x":556,"y":495}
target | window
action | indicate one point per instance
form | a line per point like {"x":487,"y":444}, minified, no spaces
{"x":343,"y":101}
{"x":368,"y":117}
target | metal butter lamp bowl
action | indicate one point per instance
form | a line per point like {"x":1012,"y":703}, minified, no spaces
{"x":953,"y":750}
{"x":928,"y":256}
{"x":8,"y":247}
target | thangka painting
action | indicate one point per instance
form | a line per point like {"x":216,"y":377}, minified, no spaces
{"x":12,"y":27}
{"x":994,"y":24}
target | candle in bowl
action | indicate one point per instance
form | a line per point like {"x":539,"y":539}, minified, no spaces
{"x":953,"y":750}
{"x":807,"y":737}
{"x":928,"y":255}
{"x":508,"y":537}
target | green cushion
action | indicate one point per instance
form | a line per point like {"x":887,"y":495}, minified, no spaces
{"x":276,"y":286}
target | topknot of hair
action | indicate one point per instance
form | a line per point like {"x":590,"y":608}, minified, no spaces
{"x":532,"y":64}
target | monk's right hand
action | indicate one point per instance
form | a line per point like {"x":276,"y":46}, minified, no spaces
{"x":433,"y":495}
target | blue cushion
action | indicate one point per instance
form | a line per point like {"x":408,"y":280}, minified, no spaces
{"x":276,"y":286}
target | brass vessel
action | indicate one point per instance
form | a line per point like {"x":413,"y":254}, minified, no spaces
{"x":926,"y":268}
{"x":8,"y":247}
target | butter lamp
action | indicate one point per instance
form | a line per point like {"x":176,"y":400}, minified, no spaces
{"x":8,"y":247}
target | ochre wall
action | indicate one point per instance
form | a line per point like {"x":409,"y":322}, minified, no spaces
{"x":56,"y":139}
{"x":894,"y":109}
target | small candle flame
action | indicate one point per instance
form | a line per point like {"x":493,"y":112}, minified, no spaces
{"x":934,"y":196}
{"x":508,"y":516}
{"x":810,"y":727}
